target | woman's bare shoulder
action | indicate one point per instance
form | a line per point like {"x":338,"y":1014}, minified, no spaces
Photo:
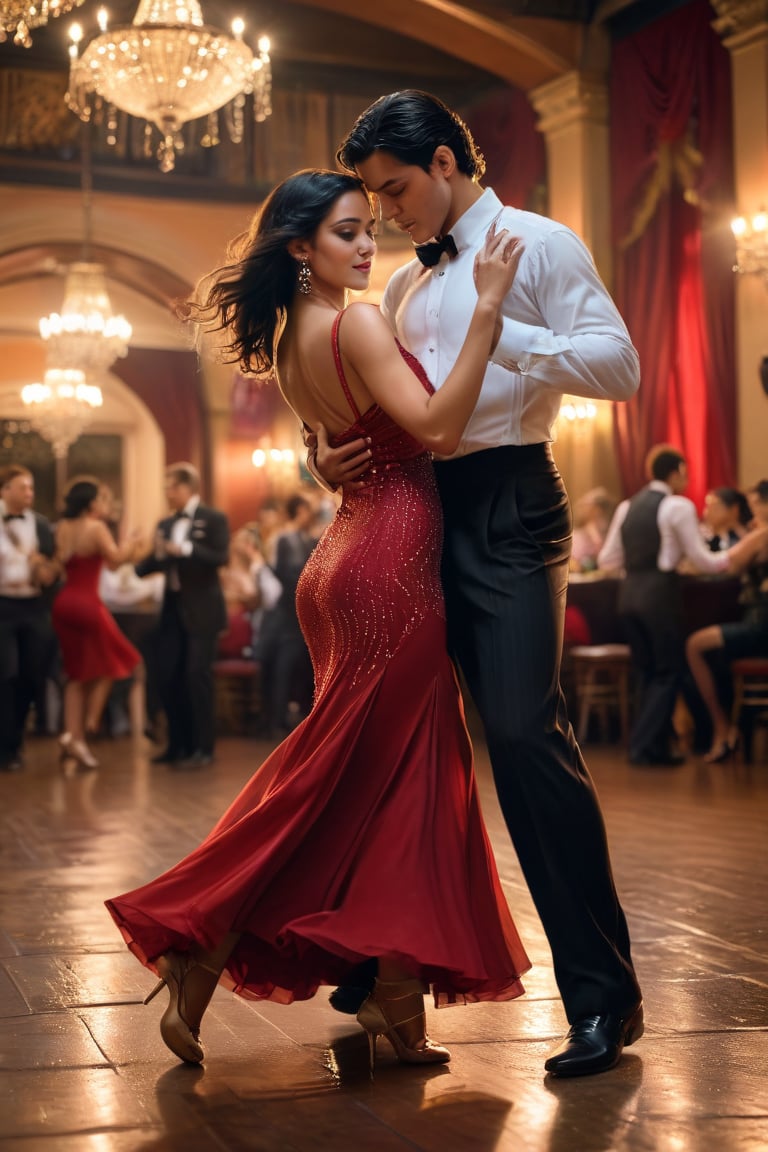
{"x":364,"y":315}
{"x":363,"y":323}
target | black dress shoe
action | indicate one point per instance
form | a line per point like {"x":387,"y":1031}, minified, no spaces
{"x":168,"y":757}
{"x":196,"y":760}
{"x":349,"y":998}
{"x":595,"y":1043}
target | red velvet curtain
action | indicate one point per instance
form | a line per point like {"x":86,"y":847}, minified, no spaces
{"x":504,"y":127}
{"x":169,"y":383}
{"x":672,"y":191}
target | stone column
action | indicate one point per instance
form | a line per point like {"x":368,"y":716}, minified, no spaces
{"x":573,"y":116}
{"x":743,"y":26}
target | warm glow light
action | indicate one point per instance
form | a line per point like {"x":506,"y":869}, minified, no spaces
{"x":85,"y":335}
{"x":170,"y":68}
{"x":279,"y":464}
{"x":751,"y":234}
{"x":581,"y":410}
{"x":17,"y":17}
{"x":61,"y":407}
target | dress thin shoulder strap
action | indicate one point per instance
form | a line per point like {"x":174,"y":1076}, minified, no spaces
{"x":339,"y":367}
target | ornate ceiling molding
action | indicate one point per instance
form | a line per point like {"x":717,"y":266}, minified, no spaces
{"x":741,"y":22}
{"x":151,"y":280}
{"x":509,"y":50}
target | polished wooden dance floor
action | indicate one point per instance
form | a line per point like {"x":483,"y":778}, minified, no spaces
{"x":82,"y":1067}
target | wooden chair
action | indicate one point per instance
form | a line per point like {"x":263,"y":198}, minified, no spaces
{"x":601,"y":680}
{"x":237,"y":675}
{"x":750,"y":697}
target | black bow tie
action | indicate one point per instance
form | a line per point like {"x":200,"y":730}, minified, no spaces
{"x":429,"y":254}
{"x":181,"y":516}
{"x":13,"y":516}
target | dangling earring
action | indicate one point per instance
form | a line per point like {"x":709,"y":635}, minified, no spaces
{"x":305,"y":275}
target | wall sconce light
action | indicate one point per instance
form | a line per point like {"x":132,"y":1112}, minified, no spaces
{"x":279,"y":467}
{"x":274,"y":457}
{"x":751,"y":244}
{"x":577,"y":409}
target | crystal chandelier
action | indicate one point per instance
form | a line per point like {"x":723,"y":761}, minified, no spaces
{"x":61,"y":407}
{"x":168,"y":68}
{"x":83,"y":341}
{"x":85,"y":335}
{"x":20,"y":16}
{"x":751,"y":244}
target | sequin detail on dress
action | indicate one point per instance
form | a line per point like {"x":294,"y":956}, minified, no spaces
{"x":361,"y":835}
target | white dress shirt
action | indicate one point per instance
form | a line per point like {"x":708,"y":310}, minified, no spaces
{"x":181,"y":527}
{"x":18,"y":540}
{"x":561,"y":330}
{"x":680,"y":534}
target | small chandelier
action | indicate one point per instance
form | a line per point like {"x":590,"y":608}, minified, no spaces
{"x":85,"y":335}
{"x":83,"y":341}
{"x":168,"y":68}
{"x":61,"y":407}
{"x":751,"y":244}
{"x":20,"y":16}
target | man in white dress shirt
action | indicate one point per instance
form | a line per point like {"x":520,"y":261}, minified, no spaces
{"x":508,"y":525}
{"x":191,"y":545}
{"x":648,"y":537}
{"x":27,"y":641}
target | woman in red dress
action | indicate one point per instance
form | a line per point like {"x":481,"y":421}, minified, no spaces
{"x":361,"y":836}
{"x":93,"y":649}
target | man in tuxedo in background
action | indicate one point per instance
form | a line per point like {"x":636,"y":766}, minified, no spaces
{"x":649,"y":535}
{"x":27,"y":572}
{"x":286,"y":664}
{"x":190,"y":547}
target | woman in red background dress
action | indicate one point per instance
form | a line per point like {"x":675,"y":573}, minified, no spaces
{"x":361,"y":835}
{"x":93,"y":649}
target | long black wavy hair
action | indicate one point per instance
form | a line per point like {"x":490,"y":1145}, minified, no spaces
{"x":248,"y":297}
{"x":410,"y":125}
{"x":79,"y":496}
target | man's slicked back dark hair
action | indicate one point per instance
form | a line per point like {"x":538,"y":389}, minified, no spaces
{"x":410,"y":125}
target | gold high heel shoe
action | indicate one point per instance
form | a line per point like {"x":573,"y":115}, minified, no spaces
{"x":378,"y":1016}
{"x":65,"y":749}
{"x":180,"y":1023}
{"x":80,"y":751}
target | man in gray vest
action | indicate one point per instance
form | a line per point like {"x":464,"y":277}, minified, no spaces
{"x":648,"y":537}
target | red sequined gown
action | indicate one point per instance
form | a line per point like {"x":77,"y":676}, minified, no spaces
{"x":92,"y":645}
{"x":361,"y":834}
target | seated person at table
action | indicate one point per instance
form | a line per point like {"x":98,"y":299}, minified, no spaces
{"x":239,"y":578}
{"x":649,"y":536}
{"x":747,"y":637}
{"x":591,"y":516}
{"x":726,"y":516}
